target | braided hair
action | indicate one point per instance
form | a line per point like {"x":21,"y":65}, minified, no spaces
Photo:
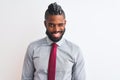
{"x":54,"y":9}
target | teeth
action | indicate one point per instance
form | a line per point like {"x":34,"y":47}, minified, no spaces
{"x":56,"y":34}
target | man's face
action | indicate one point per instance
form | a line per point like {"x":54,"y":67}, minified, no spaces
{"x":55,"y":27}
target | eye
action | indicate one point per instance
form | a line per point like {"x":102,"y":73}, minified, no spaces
{"x":51,"y":25}
{"x":61,"y":24}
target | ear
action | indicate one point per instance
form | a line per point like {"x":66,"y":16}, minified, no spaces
{"x":45,"y":24}
{"x":65,"y":22}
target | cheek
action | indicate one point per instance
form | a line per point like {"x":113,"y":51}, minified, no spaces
{"x":49,"y":29}
{"x":62,"y":28}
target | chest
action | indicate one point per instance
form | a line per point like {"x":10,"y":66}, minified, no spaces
{"x":64,"y":59}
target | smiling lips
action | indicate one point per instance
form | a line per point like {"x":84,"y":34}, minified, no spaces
{"x":56,"y":35}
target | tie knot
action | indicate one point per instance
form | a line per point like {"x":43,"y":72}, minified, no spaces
{"x":54,"y":44}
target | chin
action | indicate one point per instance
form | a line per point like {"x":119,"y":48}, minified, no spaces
{"x":57,"y":38}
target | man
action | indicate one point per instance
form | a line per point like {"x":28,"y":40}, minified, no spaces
{"x":67,"y":63}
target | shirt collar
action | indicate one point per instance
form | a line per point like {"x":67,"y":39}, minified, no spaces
{"x":59,"y":43}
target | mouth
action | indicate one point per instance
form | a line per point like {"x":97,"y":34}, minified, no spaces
{"x":56,"y":34}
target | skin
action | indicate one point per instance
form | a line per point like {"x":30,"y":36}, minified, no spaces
{"x":55,"y":24}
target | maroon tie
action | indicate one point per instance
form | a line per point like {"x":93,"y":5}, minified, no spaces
{"x":52,"y":62}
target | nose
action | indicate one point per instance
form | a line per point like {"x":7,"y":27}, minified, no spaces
{"x":56,"y":28}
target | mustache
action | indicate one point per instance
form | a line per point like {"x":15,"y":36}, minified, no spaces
{"x":57,"y":32}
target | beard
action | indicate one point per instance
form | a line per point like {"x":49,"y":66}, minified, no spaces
{"x":49,"y":34}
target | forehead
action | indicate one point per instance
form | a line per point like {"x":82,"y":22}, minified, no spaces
{"x":55,"y":18}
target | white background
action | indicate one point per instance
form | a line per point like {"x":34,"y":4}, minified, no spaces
{"x":92,"y":24}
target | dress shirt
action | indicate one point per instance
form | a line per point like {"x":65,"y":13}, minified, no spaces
{"x":69,"y":62}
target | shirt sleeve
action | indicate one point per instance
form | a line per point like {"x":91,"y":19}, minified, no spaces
{"x":78,"y":71}
{"x":28,"y":66}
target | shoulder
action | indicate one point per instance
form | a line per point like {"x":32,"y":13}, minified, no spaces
{"x":33,"y":46}
{"x":75,"y":48}
{"x":71,"y":44}
{"x":37,"y":43}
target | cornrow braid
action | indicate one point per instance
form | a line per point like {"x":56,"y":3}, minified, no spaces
{"x":54,"y":9}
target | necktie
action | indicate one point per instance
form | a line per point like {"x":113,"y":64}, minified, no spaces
{"x":52,"y":62}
